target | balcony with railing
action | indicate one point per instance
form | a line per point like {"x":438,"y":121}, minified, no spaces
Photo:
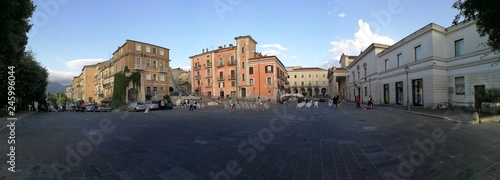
{"x":196,"y":68}
{"x":209,"y":75}
{"x":220,"y":64}
{"x":209,"y":85}
{"x":138,"y":67}
{"x":208,"y":65}
{"x":231,"y":63}
{"x":221,"y":78}
{"x":197,"y":77}
{"x":163,"y":69}
{"x":231,"y":77}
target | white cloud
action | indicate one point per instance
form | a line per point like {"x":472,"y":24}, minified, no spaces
{"x":270,"y":52}
{"x":362,"y":39}
{"x":79,"y":63}
{"x":62,"y":77}
{"x":341,"y":15}
{"x":277,"y":46}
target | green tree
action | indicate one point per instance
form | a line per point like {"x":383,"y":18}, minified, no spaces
{"x":64,"y":99}
{"x":14,"y":18}
{"x":487,"y":14}
{"x":31,"y":80}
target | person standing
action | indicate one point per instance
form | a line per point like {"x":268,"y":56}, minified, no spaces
{"x":259,"y":104}
{"x":358,"y":102}
{"x":335,"y":102}
{"x":231,"y":105}
{"x":370,"y":102}
{"x":191,"y":105}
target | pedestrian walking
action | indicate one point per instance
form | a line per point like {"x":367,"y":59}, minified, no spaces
{"x":358,"y":102}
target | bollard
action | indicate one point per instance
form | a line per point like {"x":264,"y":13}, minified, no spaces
{"x":475,"y":117}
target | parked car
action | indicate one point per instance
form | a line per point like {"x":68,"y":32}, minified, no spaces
{"x":136,"y":106}
{"x":91,"y":107}
{"x":169,"y":104}
{"x":103,"y":107}
{"x":153,"y":104}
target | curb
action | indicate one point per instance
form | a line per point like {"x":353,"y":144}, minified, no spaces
{"x":19,"y":116}
{"x":430,"y":115}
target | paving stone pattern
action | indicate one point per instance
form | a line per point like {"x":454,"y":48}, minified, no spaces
{"x":279,"y":143}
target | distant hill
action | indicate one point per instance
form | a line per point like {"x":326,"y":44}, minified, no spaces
{"x":55,"y":87}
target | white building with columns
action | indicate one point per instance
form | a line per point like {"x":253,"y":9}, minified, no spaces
{"x":432,"y":66}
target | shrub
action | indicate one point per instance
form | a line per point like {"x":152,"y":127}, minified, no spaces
{"x":148,"y":96}
{"x":489,"y":95}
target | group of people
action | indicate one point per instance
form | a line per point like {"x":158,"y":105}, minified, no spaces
{"x":260,"y":105}
{"x":187,"y":103}
{"x":357,"y":99}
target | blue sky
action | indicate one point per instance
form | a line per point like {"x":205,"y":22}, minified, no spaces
{"x":68,"y":34}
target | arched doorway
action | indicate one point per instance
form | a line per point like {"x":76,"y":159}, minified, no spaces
{"x":323,"y":91}
{"x":132,"y":95}
{"x":243,"y":92}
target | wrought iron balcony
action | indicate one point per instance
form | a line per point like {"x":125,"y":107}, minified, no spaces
{"x":231,"y":77}
{"x":208,"y":65}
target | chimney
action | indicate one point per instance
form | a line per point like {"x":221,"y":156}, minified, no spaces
{"x":220,"y":47}
{"x":230,"y":45}
{"x":202,"y":50}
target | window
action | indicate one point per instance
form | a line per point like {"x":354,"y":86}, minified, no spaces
{"x":148,"y":49}
{"x":161,"y":88}
{"x":365,"y":73}
{"x":459,"y":85}
{"x":162,"y":77}
{"x":323,"y":75}
{"x":242,"y":49}
{"x":400,"y":59}
{"x":154,"y":77}
{"x":148,"y":63}
{"x":221,"y":62}
{"x":148,"y":90}
{"x":324,"y":83}
{"x":269,"y":69}
{"x":459,"y":47}
{"x":366,"y":91}
{"x":232,"y":60}
{"x":385,"y":64}
{"x":251,"y":82}
{"x":302,"y":76}
{"x":316,"y":83}
{"x":161,"y":52}
{"x":148,"y":76}
{"x":316,"y":75}
{"x":418,"y":53}
{"x":302,"y":83}
{"x":137,"y":47}
{"x":269,"y":81}
{"x":121,"y":50}
{"x":154,"y":63}
{"x":242,"y":77}
{"x":250,"y":70}
{"x":161,"y":65}
{"x":233,"y":83}
{"x":353,"y":76}
{"x":221,"y":84}
{"x":295,"y":83}
{"x":294,"y":76}
{"x":309,"y":75}
{"x":242,"y":64}
{"x":359,"y":75}
{"x":154,"y":50}
{"x":138,"y":62}
{"x":309,"y":83}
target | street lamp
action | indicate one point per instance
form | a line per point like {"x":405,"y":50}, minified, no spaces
{"x":407,"y":69}
{"x":370,"y":85}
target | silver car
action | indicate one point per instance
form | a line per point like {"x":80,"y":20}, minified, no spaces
{"x":153,"y":104}
{"x":136,"y":106}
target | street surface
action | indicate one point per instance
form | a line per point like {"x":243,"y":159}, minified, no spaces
{"x":279,"y":143}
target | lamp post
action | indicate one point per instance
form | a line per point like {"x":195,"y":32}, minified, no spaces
{"x":370,"y":85}
{"x":407,"y":69}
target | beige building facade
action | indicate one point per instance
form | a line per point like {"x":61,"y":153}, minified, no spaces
{"x":310,"y":81}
